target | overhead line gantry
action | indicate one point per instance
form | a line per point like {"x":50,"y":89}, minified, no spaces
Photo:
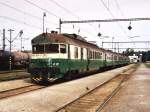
{"x":102,"y":20}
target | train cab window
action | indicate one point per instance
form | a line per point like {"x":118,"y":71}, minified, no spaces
{"x":47,"y":48}
{"x":62,"y":48}
{"x":38,"y":48}
{"x":34,"y":48}
{"x":75,"y":52}
{"x":52,"y":48}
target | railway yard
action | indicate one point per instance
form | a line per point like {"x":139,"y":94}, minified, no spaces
{"x":117,"y":90}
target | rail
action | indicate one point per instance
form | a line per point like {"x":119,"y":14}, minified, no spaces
{"x":105,"y":101}
{"x":20,"y":90}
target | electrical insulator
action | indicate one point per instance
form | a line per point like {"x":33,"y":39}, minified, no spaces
{"x":99,"y":34}
{"x":129,"y":27}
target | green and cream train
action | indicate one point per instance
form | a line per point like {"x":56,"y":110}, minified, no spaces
{"x":56,"y":56}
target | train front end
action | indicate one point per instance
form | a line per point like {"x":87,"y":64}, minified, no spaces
{"x":46,"y":63}
{"x":44,"y":69}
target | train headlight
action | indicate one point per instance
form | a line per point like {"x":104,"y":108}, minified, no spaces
{"x":56,"y":64}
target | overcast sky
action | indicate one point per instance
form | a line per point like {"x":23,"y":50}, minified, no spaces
{"x":27,"y":15}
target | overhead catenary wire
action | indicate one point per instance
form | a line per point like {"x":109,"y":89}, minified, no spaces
{"x":62,"y":7}
{"x":111,"y":15}
{"x":20,"y":22}
{"x":118,"y":6}
{"x":23,"y":12}
{"x":45,"y":10}
{"x":68,"y":11}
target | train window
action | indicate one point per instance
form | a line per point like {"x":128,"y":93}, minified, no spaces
{"x":62,"y":48}
{"x":96,"y":55}
{"x":90,"y":55}
{"x":68,"y":51}
{"x":93,"y":55}
{"x":38,"y":48}
{"x":49,"y":48}
{"x":87,"y":53}
{"x":75,"y":52}
{"x":33,"y":48}
{"x":81,"y":53}
{"x":111,"y":57}
{"x":52,"y":48}
{"x":101,"y":55}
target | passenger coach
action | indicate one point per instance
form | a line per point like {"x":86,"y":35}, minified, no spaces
{"x":57,"y":56}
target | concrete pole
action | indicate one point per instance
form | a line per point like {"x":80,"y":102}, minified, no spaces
{"x":60,"y":26}
{"x":10,"y":42}
{"x":44,"y":15}
{"x":4,"y":40}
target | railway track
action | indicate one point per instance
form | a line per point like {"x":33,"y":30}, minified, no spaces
{"x":94,"y":100}
{"x":20,"y":90}
{"x":13,"y":75}
{"x":12,"y":71}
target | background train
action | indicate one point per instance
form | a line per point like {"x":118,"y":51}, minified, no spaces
{"x":57,"y":56}
{"x":19,"y":59}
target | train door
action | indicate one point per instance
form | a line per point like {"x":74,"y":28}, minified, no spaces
{"x":105,"y":59}
{"x":81,"y":53}
{"x":88,"y":58}
{"x":68,"y":51}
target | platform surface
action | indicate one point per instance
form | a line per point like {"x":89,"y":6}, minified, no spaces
{"x":134,"y":96}
{"x":7,"y":85}
{"x":53,"y":97}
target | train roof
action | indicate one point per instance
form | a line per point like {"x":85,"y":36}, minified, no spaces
{"x":49,"y":38}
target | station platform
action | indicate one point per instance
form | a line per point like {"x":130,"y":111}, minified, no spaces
{"x":134,"y":96}
{"x":13,"y":84}
{"x":51,"y":98}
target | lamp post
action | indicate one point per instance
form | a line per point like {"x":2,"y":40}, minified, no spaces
{"x":44,"y":15}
